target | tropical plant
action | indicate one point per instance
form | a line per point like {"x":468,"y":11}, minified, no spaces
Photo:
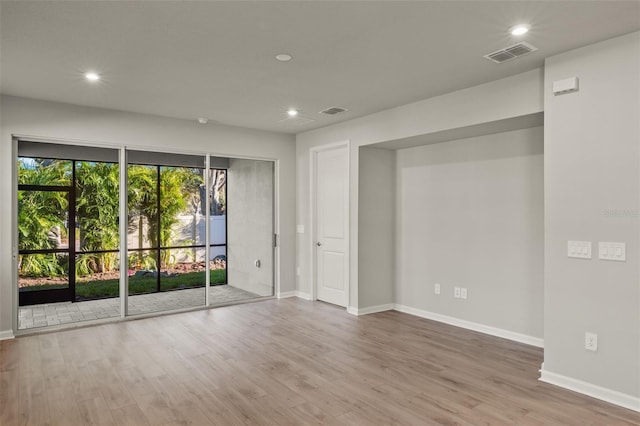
{"x":178,"y":192}
{"x":43,"y":265}
{"x":142,"y":201}
{"x":97,"y":211}
{"x":42,"y":215}
{"x":140,"y":260}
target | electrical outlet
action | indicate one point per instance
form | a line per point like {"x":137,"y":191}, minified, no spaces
{"x":612,"y":251}
{"x":456,"y":292}
{"x":436,"y":288}
{"x":579,"y":249}
{"x":463,"y":293}
{"x":591,"y":341}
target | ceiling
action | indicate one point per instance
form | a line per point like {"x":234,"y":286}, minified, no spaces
{"x":216,"y":59}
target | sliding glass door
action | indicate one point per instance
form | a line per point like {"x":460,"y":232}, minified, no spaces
{"x":198,"y":231}
{"x":251,"y":237}
{"x":165,"y":235}
{"x":68,"y":239}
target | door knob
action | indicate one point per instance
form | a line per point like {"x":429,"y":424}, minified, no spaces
{"x":318,"y":243}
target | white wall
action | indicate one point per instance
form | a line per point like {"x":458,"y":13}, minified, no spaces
{"x":470,"y":214}
{"x":250,"y":225}
{"x":376,"y":222}
{"x":69,"y":122}
{"x":592,"y":167}
{"x":516,"y":96}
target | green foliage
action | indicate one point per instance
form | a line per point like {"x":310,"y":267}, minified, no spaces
{"x":142,"y":261}
{"x":97,"y":210}
{"x":97,"y":213}
{"x":43,"y":265}
{"x":139,"y":285}
{"x":44,"y":172}
{"x":178,"y":194}
{"x":39,"y":212}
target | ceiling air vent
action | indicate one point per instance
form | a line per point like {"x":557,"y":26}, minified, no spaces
{"x":511,"y":52}
{"x":296,"y":121}
{"x":333,"y":111}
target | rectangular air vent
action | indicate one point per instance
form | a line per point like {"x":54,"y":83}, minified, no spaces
{"x":333,"y":111}
{"x":511,"y":52}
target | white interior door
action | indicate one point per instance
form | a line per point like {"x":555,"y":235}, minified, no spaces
{"x":332,"y":225}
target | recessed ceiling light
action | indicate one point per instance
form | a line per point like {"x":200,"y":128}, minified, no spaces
{"x":518,"y":30}
{"x":203,"y":120}
{"x":292,"y":112}
{"x":92,"y":76}
{"x":284,"y":57}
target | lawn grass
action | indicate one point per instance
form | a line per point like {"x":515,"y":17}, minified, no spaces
{"x":138,"y":285}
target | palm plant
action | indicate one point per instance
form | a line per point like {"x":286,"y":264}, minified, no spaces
{"x":39,"y":212}
{"x":178,"y":191}
{"x":142,"y":201}
{"x":97,"y":186}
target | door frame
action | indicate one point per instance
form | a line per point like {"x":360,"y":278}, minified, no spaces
{"x":67,"y":294}
{"x":313,"y":220}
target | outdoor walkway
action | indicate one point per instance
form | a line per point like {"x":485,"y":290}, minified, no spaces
{"x":61,"y":313}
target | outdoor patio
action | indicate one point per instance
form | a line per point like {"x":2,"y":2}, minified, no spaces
{"x":62,"y":313}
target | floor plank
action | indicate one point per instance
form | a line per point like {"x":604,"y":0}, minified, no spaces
{"x":283,"y":362}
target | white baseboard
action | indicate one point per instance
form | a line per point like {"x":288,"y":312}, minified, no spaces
{"x":493,"y":331}
{"x":303,"y":295}
{"x":295,"y":293}
{"x":594,"y":391}
{"x":370,"y":309}
{"x":6,"y":335}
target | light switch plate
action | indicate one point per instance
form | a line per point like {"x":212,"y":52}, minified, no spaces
{"x":591,"y":342}
{"x":579,"y":249}
{"x":300,"y":229}
{"x":612,"y":251}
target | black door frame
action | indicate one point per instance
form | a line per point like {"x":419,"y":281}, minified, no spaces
{"x":35,"y":297}
{"x":159,"y":247}
{"x":68,"y":294}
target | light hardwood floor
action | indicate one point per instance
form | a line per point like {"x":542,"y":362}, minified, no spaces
{"x":283,"y":362}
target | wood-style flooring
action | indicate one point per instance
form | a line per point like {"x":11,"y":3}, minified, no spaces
{"x":283,"y":362}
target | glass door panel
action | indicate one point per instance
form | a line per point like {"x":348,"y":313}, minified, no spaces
{"x":68,"y":235}
{"x":43,"y":244}
{"x":143,"y":206}
{"x":217,"y":231}
{"x":249,"y":244}
{"x":97,"y":266}
{"x":166,"y":230}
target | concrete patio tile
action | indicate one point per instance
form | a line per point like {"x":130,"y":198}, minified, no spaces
{"x":67,"y":312}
